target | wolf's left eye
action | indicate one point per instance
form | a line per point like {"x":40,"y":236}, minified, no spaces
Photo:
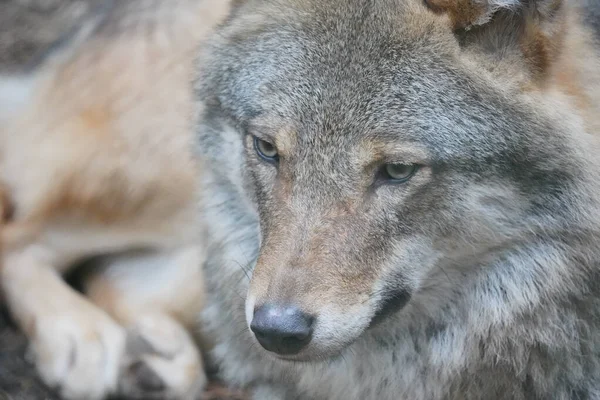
{"x":265,"y":150}
{"x":399,"y":172}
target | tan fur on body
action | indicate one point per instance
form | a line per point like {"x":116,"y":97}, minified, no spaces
{"x":95,"y":158}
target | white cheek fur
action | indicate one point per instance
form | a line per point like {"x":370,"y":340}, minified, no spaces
{"x":250,"y":302}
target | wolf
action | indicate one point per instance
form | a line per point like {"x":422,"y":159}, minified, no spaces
{"x":96,"y":160}
{"x":402,"y":198}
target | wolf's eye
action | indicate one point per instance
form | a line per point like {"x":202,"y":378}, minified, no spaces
{"x":399,"y":172}
{"x":265,"y":150}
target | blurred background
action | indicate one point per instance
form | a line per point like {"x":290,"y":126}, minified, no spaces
{"x":29,"y":30}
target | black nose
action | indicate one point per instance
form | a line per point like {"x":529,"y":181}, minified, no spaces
{"x":282,"y":330}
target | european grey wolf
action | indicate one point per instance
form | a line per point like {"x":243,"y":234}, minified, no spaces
{"x":404,"y":198}
{"x":95,"y":159}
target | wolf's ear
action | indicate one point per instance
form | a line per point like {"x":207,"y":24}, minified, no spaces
{"x":534,"y":29}
{"x":469,"y":13}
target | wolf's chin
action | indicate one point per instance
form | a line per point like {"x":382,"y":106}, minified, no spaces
{"x":312,"y":357}
{"x":316,"y":354}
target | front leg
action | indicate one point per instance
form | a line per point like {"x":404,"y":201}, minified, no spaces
{"x":157,"y":296}
{"x":77,"y":347}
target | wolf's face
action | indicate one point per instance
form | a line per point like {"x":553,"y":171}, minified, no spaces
{"x":385,"y":166}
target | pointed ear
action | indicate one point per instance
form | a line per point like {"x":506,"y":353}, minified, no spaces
{"x":534,"y":29}
{"x":469,"y":13}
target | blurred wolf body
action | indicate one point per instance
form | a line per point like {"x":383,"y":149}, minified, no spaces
{"x":95,"y":159}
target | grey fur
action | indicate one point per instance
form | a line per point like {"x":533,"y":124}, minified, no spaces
{"x":31,"y":29}
{"x":496,"y":242}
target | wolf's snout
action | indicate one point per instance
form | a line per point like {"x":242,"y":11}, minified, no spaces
{"x":284,"y":330}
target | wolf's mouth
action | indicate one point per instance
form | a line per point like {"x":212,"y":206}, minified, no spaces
{"x":314,"y":357}
{"x":391,"y":304}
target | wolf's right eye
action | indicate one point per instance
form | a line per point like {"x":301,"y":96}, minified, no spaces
{"x":399,"y":173}
{"x":265,"y":150}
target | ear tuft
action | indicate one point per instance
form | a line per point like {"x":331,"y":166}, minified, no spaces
{"x":467,"y":13}
{"x":525,"y":33}
{"x":491,"y":7}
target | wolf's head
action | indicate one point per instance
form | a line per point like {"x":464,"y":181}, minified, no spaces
{"x":392,"y":150}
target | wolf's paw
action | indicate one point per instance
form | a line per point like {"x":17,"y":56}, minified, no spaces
{"x":79,"y":357}
{"x":161,"y":361}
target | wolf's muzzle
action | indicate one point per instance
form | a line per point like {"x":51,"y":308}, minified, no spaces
{"x":284,"y":330}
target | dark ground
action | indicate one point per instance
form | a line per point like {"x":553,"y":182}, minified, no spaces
{"x":17,"y":377}
{"x":18,"y":380}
